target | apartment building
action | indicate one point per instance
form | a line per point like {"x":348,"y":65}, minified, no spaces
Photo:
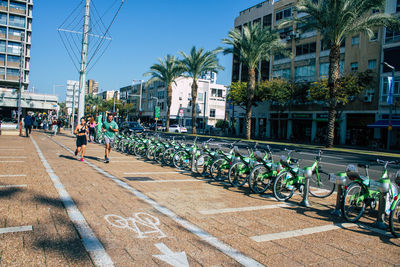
{"x":310,"y":62}
{"x":211,"y":100}
{"x":92,"y":87}
{"x":15,"y":42}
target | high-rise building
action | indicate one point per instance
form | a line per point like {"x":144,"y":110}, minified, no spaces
{"x":71,"y":86}
{"x":306,"y":121}
{"x":15,"y":42}
{"x":92,"y":87}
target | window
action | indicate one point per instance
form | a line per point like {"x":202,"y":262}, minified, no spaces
{"x":2,"y":71}
{"x":355,"y":40}
{"x":305,"y":49}
{"x":324,"y":69}
{"x":200,"y":97}
{"x":2,"y":46}
{"x":374,"y":11}
{"x":354,"y":66}
{"x":2,"y":59}
{"x":13,"y":59}
{"x":391,"y":36}
{"x":3,"y":31}
{"x":17,"y":21}
{"x":14,"y":48}
{"x":281,"y":56}
{"x":4,"y":3}
{"x":12,"y":72}
{"x":19,"y":6}
{"x":283,"y":73}
{"x":372,"y":64}
{"x":219,"y":93}
{"x":3,"y":19}
{"x":375,"y":37}
{"x":285,"y":32}
{"x":214,"y":92}
{"x":283,"y":14}
{"x":212,"y":113}
{"x":396,"y":89}
{"x":256,"y":21}
{"x":398,"y":6}
{"x":326,"y":45}
{"x":306,"y":73}
{"x":267,"y":21}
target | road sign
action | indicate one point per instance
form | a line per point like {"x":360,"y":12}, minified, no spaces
{"x":181,"y":112}
{"x":157,"y":112}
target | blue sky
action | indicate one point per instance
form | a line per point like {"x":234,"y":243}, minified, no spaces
{"x":144,"y":31}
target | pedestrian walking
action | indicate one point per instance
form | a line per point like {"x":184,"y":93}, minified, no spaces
{"x":45,"y":122}
{"x":81,"y":132}
{"x":92,"y":129}
{"x":109,"y":127}
{"x":59,"y":125}
{"x":28,"y":121}
{"x":55,"y":126}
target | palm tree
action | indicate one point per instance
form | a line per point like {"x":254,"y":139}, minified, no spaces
{"x":336,"y":20}
{"x":252,"y":46}
{"x":166,"y":71}
{"x":196,"y":63}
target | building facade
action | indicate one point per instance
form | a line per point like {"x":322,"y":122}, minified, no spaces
{"x":109,"y":95}
{"x":15,"y":42}
{"x":309,"y":63}
{"x":92,"y":87}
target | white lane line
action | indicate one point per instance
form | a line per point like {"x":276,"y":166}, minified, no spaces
{"x":13,"y":157}
{"x":89,"y":239}
{"x":314,"y":230}
{"x":142,"y":173}
{"x":174,"y":181}
{"x":16,"y":229}
{"x":323,"y":156}
{"x":11,"y":161}
{"x":11,"y":148}
{"x":228,"y":210}
{"x":12,"y":175}
{"x":130,"y":161}
{"x":210,"y":239}
{"x":13,"y":185}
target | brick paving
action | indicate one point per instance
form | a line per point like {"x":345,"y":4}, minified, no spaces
{"x":55,"y":242}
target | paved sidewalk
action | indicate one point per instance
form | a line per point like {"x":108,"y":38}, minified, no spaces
{"x":147,"y":215}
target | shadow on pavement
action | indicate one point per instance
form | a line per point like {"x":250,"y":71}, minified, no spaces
{"x":93,"y":158}
{"x":139,"y":179}
{"x":54,"y":202}
{"x":7,"y":192}
{"x":67,"y":157}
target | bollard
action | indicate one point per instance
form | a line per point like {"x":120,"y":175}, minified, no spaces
{"x":307,"y":174}
{"x":194,"y":151}
{"x":20,"y":128}
{"x":384,"y":189}
{"x":340,"y":180}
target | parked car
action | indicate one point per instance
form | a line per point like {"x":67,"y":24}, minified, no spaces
{"x":175,"y":128}
{"x":131,"y":126}
{"x":160,"y":127}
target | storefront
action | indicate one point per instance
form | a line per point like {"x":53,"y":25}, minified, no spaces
{"x":279,"y":123}
{"x":384,"y":125}
{"x":301,"y":127}
{"x":358,"y":133}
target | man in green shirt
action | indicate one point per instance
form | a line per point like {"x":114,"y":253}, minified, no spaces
{"x":109,"y":128}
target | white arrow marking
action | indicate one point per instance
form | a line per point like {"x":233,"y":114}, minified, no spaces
{"x":176,"y":259}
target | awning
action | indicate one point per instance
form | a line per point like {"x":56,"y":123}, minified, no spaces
{"x":384,"y":124}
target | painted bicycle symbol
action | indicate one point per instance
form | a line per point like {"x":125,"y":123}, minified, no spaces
{"x":148,"y":224}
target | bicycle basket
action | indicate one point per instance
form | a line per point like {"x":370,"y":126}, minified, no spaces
{"x":352,"y":172}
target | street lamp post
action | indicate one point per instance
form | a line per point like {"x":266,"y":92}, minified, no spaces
{"x":153,"y":97}
{"x":390,"y":102}
{"x":140,"y":97}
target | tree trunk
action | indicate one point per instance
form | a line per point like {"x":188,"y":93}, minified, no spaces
{"x":251,"y":85}
{"x":333,"y":79}
{"x":169,"y":101}
{"x":194,"y":98}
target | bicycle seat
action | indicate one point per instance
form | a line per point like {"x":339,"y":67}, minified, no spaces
{"x":236,"y":150}
{"x":352,"y":172}
{"x":294,"y":160}
{"x":258,"y":155}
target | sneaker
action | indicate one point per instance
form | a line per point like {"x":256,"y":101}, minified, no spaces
{"x":82,"y":159}
{"x":76,"y":152}
{"x":106,"y":160}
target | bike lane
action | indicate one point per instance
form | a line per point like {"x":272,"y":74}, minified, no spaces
{"x":155,"y":236}
{"x":247,"y":221}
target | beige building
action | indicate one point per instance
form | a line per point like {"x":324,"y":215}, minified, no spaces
{"x":92,"y":87}
{"x":109,"y":95}
{"x":309,"y":63}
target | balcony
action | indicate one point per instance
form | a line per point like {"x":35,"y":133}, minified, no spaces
{"x":3,"y":8}
{"x":17,"y":11}
{"x":14,"y":38}
{"x":12,"y":78}
{"x":13,"y":64}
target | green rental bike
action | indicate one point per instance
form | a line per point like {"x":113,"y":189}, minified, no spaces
{"x":240,"y":170}
{"x":363,"y":192}
{"x":394,"y":218}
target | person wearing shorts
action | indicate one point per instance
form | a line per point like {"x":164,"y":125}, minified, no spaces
{"x":109,"y":128}
{"x":81,"y":132}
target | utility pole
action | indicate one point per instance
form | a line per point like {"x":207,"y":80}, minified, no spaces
{"x":21,"y":79}
{"x":73,"y":110}
{"x":82,"y":78}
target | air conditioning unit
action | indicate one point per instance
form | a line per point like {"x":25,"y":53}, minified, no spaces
{"x":297,"y":35}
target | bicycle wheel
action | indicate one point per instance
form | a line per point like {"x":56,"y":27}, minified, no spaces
{"x":394,"y":220}
{"x":283,"y":190}
{"x":167,"y":158}
{"x":215,"y":170}
{"x":158,"y":153}
{"x":353,"y":205}
{"x":150,"y":153}
{"x":259,"y":180}
{"x":202,"y":164}
{"x":181,"y":160}
{"x":238,"y":174}
{"x":117,"y":221}
{"x":321,"y":187}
